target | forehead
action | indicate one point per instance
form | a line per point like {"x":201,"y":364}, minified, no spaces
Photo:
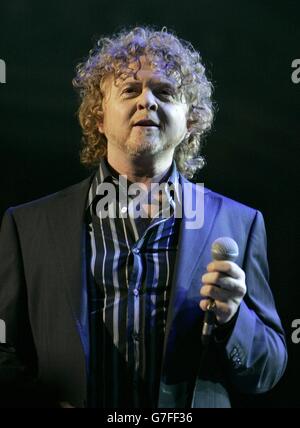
{"x":143,"y":71}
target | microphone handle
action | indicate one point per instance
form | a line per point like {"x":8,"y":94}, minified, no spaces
{"x":208,"y":323}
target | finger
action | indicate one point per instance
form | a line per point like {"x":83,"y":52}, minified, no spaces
{"x":216,"y":293}
{"x":223,"y":311}
{"x":204,"y":304}
{"x":237,"y":287}
{"x":220,"y":279}
{"x":226,"y":267}
{"x":235,"y":291}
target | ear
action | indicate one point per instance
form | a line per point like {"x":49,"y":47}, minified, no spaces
{"x":189,"y":124}
{"x":100,"y":123}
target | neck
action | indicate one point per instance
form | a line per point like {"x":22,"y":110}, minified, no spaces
{"x":140,"y":168}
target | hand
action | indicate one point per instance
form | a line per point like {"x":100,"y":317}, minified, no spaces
{"x":224,"y":283}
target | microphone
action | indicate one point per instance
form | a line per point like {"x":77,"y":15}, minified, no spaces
{"x":223,"y":248}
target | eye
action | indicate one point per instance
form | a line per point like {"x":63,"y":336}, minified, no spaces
{"x":129,"y":90}
{"x":164,"y":92}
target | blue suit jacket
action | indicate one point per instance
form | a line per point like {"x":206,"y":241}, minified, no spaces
{"x":43,"y":301}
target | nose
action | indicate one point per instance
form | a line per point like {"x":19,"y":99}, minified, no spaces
{"x":147,"y":101}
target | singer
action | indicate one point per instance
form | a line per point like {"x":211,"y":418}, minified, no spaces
{"x":107,"y":311}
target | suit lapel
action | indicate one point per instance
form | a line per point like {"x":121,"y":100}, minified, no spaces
{"x":192,"y":243}
{"x":68,"y":231}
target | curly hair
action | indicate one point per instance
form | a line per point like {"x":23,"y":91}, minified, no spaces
{"x":114,"y":55}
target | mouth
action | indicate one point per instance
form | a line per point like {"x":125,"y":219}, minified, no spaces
{"x":146,"y":123}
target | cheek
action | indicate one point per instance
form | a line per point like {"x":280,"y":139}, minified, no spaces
{"x":114,"y":120}
{"x":179,"y":122}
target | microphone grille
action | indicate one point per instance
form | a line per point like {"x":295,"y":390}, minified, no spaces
{"x":224,"y":248}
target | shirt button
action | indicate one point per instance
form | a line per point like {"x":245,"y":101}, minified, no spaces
{"x":135,"y":250}
{"x":136,"y":292}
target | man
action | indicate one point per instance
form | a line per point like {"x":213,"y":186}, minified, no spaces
{"x":104,"y":307}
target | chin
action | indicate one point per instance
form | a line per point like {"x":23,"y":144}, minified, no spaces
{"x":148,"y":147}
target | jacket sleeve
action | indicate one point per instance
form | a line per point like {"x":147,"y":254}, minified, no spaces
{"x":256,"y":350}
{"x":18,"y":361}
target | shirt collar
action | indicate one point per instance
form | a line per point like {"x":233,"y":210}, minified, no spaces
{"x":105,"y":173}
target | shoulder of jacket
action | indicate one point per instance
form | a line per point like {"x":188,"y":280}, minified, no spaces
{"x":230,"y":203}
{"x":224,"y":201}
{"x":48,"y":201}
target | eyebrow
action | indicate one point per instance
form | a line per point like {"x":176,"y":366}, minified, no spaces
{"x":151,"y":83}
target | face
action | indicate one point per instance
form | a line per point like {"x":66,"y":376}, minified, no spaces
{"x":143,"y":113}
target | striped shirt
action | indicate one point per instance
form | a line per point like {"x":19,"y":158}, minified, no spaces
{"x":131,"y":262}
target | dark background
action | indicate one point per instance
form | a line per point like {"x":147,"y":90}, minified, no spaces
{"x":252,"y":153}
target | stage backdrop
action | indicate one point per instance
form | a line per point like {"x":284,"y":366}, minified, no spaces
{"x":252,"y":53}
